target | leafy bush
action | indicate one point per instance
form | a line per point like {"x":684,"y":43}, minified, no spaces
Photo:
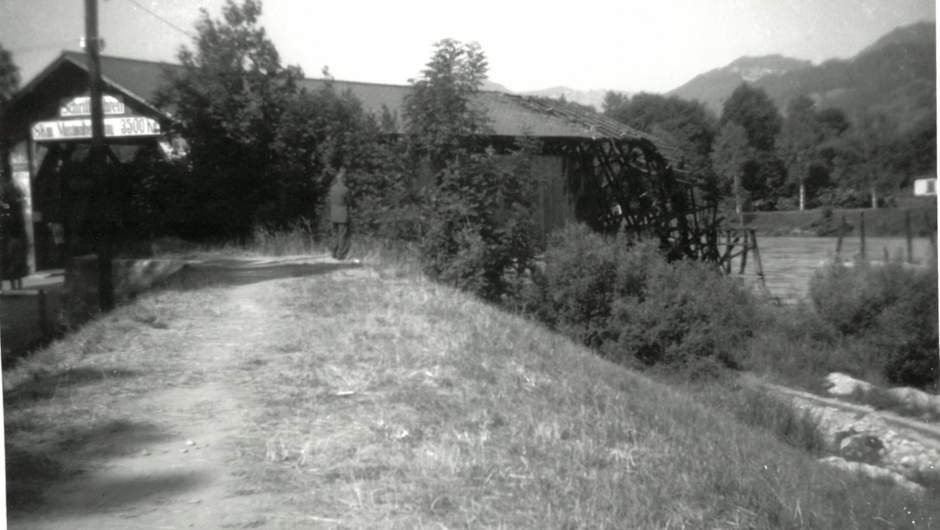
{"x":637,"y":308}
{"x":892,"y":308}
{"x":687,"y":311}
{"x":580,"y":271}
{"x":480,"y":223}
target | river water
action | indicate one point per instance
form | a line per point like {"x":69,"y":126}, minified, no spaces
{"x":789,"y":262}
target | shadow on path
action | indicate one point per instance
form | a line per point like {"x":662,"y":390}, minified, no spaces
{"x":45,"y":386}
{"x":239,"y":272}
{"x":55,"y":456}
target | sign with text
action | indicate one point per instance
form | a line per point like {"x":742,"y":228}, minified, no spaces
{"x":81,"y":106}
{"x":78,"y":129}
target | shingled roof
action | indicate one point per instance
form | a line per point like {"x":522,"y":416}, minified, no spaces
{"x":136,"y":78}
{"x":510,"y":115}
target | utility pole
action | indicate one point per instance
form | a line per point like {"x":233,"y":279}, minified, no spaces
{"x":96,"y":161}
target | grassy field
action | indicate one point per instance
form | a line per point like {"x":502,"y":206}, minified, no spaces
{"x":882,"y":222}
{"x":393,"y":402}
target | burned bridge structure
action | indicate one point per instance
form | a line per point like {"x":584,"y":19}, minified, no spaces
{"x":624,"y":181}
{"x":593,"y":169}
{"x":637,"y":192}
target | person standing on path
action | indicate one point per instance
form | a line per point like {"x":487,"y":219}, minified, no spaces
{"x":340,"y":200}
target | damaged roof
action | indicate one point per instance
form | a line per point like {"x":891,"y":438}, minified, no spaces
{"x":510,"y":115}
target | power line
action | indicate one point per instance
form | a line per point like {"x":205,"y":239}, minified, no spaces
{"x":161,"y":19}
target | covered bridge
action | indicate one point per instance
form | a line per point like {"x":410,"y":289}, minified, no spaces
{"x":595,"y":169}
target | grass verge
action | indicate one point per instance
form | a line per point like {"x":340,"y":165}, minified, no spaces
{"x":424,"y":408}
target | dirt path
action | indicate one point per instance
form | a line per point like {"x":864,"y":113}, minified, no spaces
{"x":175,"y":471}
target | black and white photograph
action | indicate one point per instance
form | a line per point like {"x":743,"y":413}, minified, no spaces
{"x":291,"y":264}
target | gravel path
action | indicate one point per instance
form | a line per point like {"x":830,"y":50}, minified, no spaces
{"x":177,"y":471}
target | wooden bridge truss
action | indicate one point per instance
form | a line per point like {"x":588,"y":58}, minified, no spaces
{"x":641,"y":196}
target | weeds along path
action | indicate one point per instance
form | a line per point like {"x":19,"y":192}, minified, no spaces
{"x":150,"y":439}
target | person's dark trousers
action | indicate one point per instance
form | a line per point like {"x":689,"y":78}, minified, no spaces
{"x":341,"y":240}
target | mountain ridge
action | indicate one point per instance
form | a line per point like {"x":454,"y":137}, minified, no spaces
{"x":896,"y":74}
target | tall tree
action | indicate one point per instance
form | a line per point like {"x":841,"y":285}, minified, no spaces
{"x":687,"y":124}
{"x":732,"y":153}
{"x":9,"y":76}
{"x":753,"y":109}
{"x":9,"y":84}
{"x":479,"y":222}
{"x":318,"y":132}
{"x":867,"y":156}
{"x":800,"y":138}
{"x":440,"y":111}
{"x":228,"y":102}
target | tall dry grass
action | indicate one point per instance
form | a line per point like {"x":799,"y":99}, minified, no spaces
{"x":422,"y":407}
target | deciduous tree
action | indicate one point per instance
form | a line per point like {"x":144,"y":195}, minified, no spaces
{"x":867,"y":156}
{"x":9,"y":76}
{"x":687,"y":124}
{"x":9,"y":196}
{"x":228,"y":102}
{"x":753,"y":109}
{"x":479,"y":220}
{"x":729,"y":158}
{"x":800,"y":138}
{"x":440,"y":110}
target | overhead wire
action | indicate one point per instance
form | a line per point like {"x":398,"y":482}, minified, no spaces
{"x":161,"y":19}
{"x":60,"y":44}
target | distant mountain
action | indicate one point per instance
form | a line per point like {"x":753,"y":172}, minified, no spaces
{"x":494,"y":87}
{"x":593,"y":98}
{"x":916,"y":33}
{"x":713,"y":87}
{"x":896,"y":75}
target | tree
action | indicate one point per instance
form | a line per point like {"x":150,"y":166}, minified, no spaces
{"x":440,"y":111}
{"x":228,"y":103}
{"x":687,"y":124}
{"x":753,"y":109}
{"x":10,"y":200}
{"x":729,"y":158}
{"x":479,"y":221}
{"x":799,"y":140}
{"x":318,"y":132}
{"x":866,"y":156}
{"x":9,"y":76}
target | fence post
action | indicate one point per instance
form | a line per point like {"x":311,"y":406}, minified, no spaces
{"x":930,"y":228}
{"x":841,"y":234}
{"x":760,"y":267}
{"x":861,"y":227}
{"x":910,"y":236}
{"x":43,"y":314}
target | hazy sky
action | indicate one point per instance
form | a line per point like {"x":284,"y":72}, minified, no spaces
{"x":630,"y":45}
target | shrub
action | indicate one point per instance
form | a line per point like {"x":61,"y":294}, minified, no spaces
{"x":580,"y":270}
{"x":893,"y":308}
{"x":635,"y":307}
{"x":687,"y":311}
{"x":480,"y":223}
